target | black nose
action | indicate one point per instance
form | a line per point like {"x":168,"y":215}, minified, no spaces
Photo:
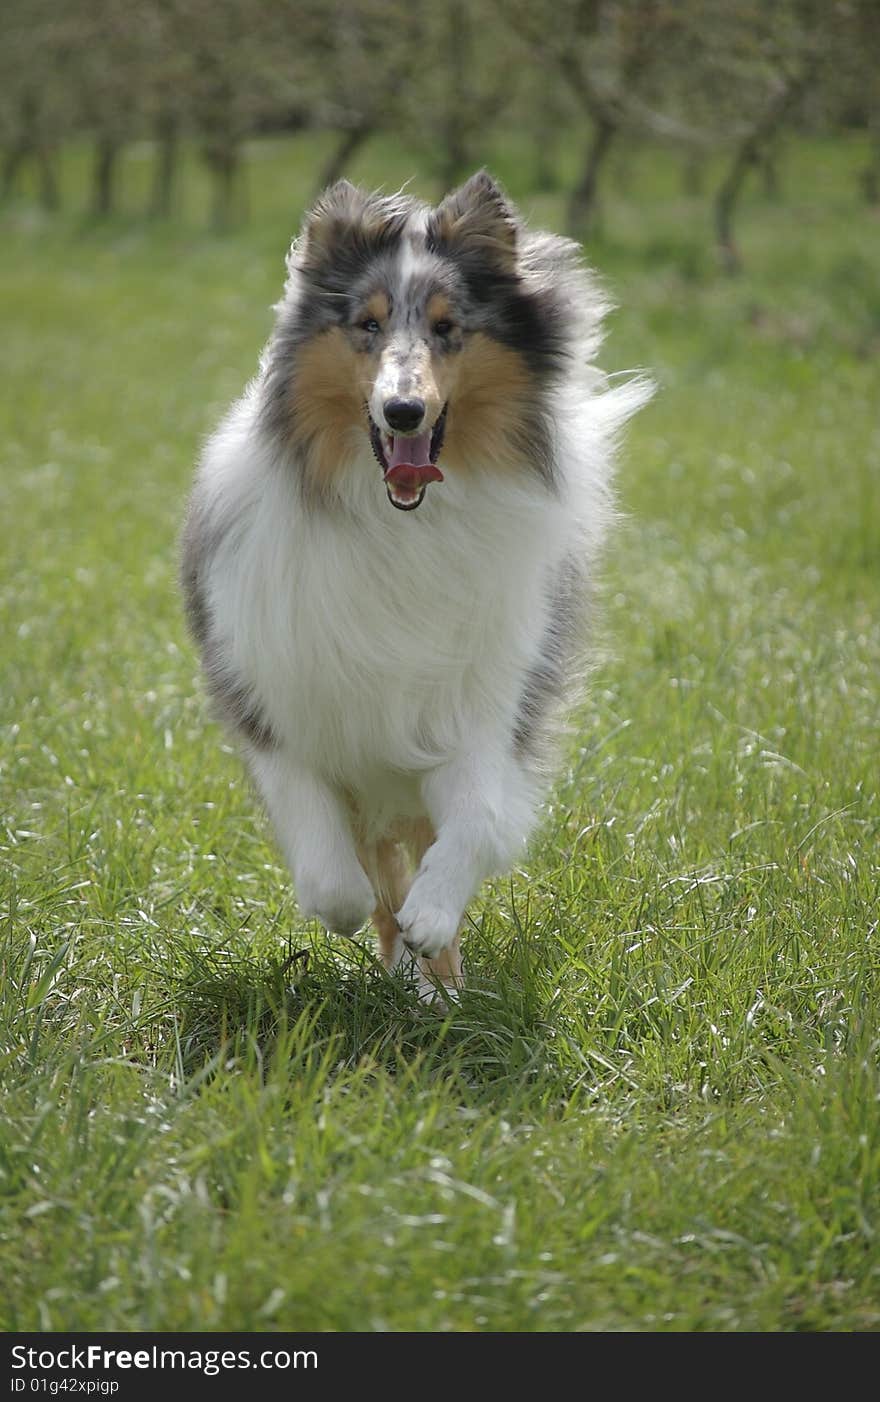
{"x":405,"y":414}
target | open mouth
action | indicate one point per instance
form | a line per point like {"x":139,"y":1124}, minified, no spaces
{"x":408,"y":461}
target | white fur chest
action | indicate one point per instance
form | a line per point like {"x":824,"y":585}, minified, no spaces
{"x":375,"y":640}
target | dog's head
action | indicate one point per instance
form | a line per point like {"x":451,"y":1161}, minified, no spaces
{"x":430,"y":331}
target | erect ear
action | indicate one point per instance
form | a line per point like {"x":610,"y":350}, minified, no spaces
{"x":346,"y":220}
{"x":476,"y":219}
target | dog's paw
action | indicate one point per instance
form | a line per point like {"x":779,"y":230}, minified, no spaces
{"x":341,"y":906}
{"x":428,"y":927}
{"x":436,"y":993}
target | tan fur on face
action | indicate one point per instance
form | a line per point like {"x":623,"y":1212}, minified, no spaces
{"x":378,"y":306}
{"x":438,"y":309}
{"x":327,"y":403}
{"x":487,"y":383}
{"x":483,"y":384}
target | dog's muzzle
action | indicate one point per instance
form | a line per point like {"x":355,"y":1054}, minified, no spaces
{"x":408,"y":461}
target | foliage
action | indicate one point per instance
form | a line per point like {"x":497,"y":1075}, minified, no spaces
{"x":698,"y":76}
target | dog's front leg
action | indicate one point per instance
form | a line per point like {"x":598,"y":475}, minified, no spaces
{"x":314,"y":833}
{"x":482,"y":807}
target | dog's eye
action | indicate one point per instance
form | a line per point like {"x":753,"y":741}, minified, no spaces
{"x":442,"y":328}
{"x":370,"y":324}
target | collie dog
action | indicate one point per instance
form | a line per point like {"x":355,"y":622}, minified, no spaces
{"x":389,"y":548}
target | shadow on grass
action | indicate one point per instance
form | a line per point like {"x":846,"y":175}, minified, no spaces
{"x":495,"y":1037}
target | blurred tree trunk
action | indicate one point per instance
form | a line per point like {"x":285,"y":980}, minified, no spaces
{"x":19,"y":151}
{"x":546,"y":177}
{"x":725,"y":205}
{"x":49,"y":195}
{"x":768,"y":164}
{"x":44,"y":158}
{"x":582,"y":203}
{"x":748,"y":154}
{"x":455,"y":160}
{"x":547,"y":127}
{"x":349,"y":144}
{"x":622,"y":168}
{"x":870,"y":177}
{"x":224,"y":162}
{"x":165,"y":166}
{"x":221,"y":149}
{"x":607,"y":110}
{"x":31,"y":144}
{"x":693,"y":173}
{"x":104,"y":176}
{"x":12,"y":163}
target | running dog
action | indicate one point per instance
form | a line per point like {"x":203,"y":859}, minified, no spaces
{"x":389,"y":549}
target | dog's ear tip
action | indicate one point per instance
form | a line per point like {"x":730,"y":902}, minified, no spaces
{"x":481,"y":190}
{"x":478,"y":214}
{"x":342,"y":186}
{"x":349,"y":215}
{"x":338,"y":194}
{"x":338,"y":201}
{"x":480,"y":184}
{"x":483,"y":179}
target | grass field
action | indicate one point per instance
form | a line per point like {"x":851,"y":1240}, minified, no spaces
{"x":656,"y":1107}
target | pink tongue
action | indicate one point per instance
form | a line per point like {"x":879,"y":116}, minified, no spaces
{"x":409,"y":463}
